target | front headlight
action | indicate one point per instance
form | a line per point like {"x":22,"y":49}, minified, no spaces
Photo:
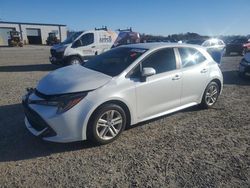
{"x":62,"y":102}
{"x":64,"y":106}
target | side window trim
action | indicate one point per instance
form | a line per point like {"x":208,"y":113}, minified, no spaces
{"x":177,"y":61}
{"x":177,"y":58}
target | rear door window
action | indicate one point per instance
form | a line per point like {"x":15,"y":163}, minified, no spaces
{"x":190,"y":57}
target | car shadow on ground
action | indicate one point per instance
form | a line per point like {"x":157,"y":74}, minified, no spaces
{"x":17,"y":143}
{"x":28,"y":68}
{"x":232,"y":78}
{"x":186,"y":110}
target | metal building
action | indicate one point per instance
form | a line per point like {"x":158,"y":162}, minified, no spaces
{"x":31,"y":33}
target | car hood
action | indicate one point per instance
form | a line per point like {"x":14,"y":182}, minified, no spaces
{"x":59,"y":47}
{"x":70,"y":79}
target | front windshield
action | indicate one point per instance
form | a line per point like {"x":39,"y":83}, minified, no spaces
{"x":71,"y":38}
{"x":114,"y":61}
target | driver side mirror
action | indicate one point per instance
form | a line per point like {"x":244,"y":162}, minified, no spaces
{"x":76,"y":44}
{"x":146,"y":72}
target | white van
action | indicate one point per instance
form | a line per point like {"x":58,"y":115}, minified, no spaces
{"x":82,"y":45}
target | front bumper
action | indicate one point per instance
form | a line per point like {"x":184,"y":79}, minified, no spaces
{"x":56,"y":61}
{"x":56,"y":57}
{"x":36,"y":125}
{"x":44,"y":122}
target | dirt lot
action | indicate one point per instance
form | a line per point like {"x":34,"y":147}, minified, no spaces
{"x":192,"y":148}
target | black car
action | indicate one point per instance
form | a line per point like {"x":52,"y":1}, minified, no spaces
{"x":244,"y":67}
{"x":236,"y":46}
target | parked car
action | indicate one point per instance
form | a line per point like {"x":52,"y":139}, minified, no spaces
{"x":121,"y":87}
{"x":214,"y":43}
{"x":215,"y":47}
{"x":236,"y":46}
{"x":244,"y":67}
{"x":126,"y":36}
{"x":246,"y":47}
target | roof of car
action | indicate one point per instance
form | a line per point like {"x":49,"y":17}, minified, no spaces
{"x":159,"y":45}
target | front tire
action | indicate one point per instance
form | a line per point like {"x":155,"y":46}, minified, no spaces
{"x":210,"y":95}
{"x":106,"y":124}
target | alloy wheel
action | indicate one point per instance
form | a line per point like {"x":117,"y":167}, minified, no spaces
{"x":109,"y":125}
{"x":211,"y":95}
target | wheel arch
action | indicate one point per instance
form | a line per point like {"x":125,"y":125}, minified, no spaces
{"x":216,"y":80}
{"x":120,"y":103}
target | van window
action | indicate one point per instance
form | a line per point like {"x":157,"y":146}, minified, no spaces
{"x":190,"y":56}
{"x":87,"y":39}
{"x":72,"y":37}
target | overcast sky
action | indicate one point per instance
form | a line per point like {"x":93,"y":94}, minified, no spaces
{"x":160,"y":17}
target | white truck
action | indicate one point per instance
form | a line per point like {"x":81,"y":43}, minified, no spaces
{"x":81,"y":46}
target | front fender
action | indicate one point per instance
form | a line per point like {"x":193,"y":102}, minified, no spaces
{"x":92,"y":106}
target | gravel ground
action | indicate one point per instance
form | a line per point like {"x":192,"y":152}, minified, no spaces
{"x":191,"y":148}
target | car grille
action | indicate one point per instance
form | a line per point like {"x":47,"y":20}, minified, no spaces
{"x":57,"y":55}
{"x":36,"y":121}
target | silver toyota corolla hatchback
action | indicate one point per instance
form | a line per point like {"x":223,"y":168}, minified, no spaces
{"x":119,"y":88}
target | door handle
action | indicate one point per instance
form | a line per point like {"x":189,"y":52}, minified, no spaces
{"x":92,"y":46}
{"x":203,"y":70}
{"x":176,"y":77}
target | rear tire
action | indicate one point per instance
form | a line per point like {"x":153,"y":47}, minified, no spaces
{"x":106,"y":124}
{"x":210,"y":95}
{"x":74,"y":60}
